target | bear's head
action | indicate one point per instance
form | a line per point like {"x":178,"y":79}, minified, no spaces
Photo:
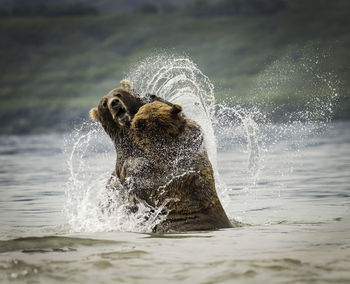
{"x":157,"y":122}
{"x":162,"y":130}
{"x":116,"y":109}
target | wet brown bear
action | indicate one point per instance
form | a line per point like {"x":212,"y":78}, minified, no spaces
{"x":115,"y":112}
{"x":165,"y":166}
{"x":175,"y":170}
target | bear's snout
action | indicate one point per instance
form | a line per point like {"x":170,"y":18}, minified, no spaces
{"x":115,"y":104}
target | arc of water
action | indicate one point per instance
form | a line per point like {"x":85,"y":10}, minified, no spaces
{"x":174,"y":71}
{"x":250,"y":127}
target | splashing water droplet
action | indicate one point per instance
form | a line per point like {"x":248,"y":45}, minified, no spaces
{"x":178,"y":80}
{"x":91,"y":157}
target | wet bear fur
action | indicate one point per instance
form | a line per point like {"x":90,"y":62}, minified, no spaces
{"x":174,"y":170}
{"x":145,"y":170}
{"x":115,"y":112}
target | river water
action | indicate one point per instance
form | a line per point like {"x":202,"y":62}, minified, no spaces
{"x":295,"y":210}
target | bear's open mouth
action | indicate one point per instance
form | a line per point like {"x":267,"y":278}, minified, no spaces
{"x":120,"y":111}
{"x":117,"y":109}
{"x":124,"y":118}
{"x":120,"y":115}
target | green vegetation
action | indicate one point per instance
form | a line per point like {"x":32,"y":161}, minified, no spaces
{"x":54,"y":69}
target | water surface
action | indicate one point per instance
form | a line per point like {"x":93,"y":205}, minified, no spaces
{"x":295,"y":212}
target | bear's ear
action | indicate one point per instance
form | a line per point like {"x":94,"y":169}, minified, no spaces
{"x":94,"y":114}
{"x":126,"y":84}
{"x":175,"y":109}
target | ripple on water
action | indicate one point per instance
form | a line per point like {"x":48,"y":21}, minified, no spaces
{"x":50,"y":244}
{"x":276,"y":175}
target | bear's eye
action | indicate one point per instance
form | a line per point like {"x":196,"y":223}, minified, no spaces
{"x":118,"y":95}
{"x":104,"y":103}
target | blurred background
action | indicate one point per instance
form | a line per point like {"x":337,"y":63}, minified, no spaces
{"x":58,"y":57}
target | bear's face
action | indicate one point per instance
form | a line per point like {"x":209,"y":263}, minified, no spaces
{"x":157,"y":124}
{"x":116,"y":109}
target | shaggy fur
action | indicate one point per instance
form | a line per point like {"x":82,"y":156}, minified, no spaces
{"x":116,"y":120}
{"x":160,"y":160}
{"x":114,"y":112}
{"x":180,"y":170}
{"x":163,"y":132}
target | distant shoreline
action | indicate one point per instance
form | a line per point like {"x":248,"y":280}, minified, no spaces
{"x":54,"y":69}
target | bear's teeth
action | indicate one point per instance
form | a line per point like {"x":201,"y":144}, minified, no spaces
{"x":123,"y":119}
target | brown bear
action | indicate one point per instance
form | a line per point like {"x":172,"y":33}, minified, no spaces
{"x":161,"y":163}
{"x":175,"y":170}
{"x":115,"y":112}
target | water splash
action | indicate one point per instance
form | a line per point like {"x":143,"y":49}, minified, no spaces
{"x":249,"y":128}
{"x":179,"y":80}
{"x":300,"y":93}
{"x":88,"y":175}
{"x":90,"y":160}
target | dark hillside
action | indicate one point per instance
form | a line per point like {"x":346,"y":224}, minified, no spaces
{"x":54,"y":68}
